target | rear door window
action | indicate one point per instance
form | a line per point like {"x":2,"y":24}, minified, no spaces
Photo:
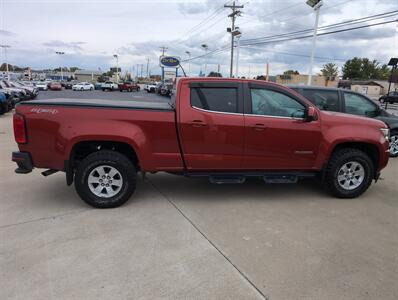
{"x":359,"y":105}
{"x":215,"y":99}
{"x":323,"y":99}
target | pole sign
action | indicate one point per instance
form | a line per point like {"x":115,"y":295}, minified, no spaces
{"x":169,"y":62}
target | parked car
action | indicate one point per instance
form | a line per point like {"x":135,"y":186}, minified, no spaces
{"x":346,"y":101}
{"x":391,"y":97}
{"x":11,"y":99}
{"x":98,"y":86}
{"x":128,"y":86}
{"x":166,"y":89}
{"x":83,"y":86}
{"x":151,"y":87}
{"x":42,"y":86}
{"x":109,"y":86}
{"x":4,"y":106}
{"x":223,"y":129}
{"x":68,"y":85}
{"x":19,"y":94}
{"x":54,"y":86}
{"x":31,"y":92}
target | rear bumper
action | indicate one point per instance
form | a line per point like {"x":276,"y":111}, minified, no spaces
{"x":24,"y":162}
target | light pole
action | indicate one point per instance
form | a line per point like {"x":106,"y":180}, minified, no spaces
{"x":189,"y":62}
{"x":206,"y":48}
{"x":237,"y":55}
{"x":316,"y":5}
{"x":117,"y":67}
{"x":62,"y":74}
{"x":5,"y":57}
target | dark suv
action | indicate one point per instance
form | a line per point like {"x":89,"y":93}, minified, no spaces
{"x":391,"y":97}
{"x":349,"y":102}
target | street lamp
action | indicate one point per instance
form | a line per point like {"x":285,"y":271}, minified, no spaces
{"x":206,"y":48}
{"x":62,"y":74}
{"x":189,"y":62}
{"x":5,"y":57}
{"x":393,"y":63}
{"x":117,"y":66}
{"x":238,"y":35}
{"x":316,"y":5}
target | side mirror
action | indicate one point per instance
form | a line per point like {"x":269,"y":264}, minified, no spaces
{"x":311,"y":114}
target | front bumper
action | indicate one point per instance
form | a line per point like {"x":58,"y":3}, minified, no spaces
{"x":24,"y":162}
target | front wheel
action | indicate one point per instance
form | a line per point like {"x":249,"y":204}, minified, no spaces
{"x":394,"y":143}
{"x":105,"y":179}
{"x":349,"y":173}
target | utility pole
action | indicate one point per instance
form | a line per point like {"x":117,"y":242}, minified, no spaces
{"x":232,"y":30}
{"x":5,"y":56}
{"x":147,"y":67}
{"x":206,"y":48}
{"x":142,"y":67}
{"x":189,"y":62}
{"x":117,"y":67}
{"x":316,"y":5}
{"x":267,"y":72}
{"x":62,"y":73}
{"x":163,"y":49}
{"x":237,"y":56}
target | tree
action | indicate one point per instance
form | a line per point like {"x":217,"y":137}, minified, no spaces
{"x":214,"y":74}
{"x":330,"y":72}
{"x":364,"y":68}
{"x":291,"y":72}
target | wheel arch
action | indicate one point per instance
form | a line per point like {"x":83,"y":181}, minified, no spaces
{"x":368,"y":148}
{"x":82,"y":149}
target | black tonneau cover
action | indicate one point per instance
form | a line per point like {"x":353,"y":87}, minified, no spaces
{"x":127,"y":104}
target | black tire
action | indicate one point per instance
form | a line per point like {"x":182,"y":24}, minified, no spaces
{"x":393,"y":133}
{"x":338,"y":159}
{"x":138,"y":89}
{"x":109,"y":158}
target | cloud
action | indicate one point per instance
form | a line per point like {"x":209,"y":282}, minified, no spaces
{"x":74,"y":46}
{"x":6,"y":33}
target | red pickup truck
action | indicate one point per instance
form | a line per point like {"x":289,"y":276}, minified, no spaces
{"x":129,"y":86}
{"x":224,"y":129}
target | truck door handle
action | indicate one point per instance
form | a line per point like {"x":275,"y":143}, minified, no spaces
{"x":258,"y":126}
{"x":197,"y":123}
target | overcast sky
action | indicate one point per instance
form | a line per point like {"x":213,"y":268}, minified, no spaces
{"x":91,"y":31}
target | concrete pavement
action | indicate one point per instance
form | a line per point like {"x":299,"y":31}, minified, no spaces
{"x":180,"y":238}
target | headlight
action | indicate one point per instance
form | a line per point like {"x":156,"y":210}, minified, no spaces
{"x":386,"y":133}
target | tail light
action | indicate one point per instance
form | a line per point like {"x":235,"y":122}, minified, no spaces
{"x":19,"y":129}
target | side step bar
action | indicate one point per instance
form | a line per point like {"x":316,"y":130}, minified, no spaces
{"x":227,"y":180}
{"x":235,"y":178}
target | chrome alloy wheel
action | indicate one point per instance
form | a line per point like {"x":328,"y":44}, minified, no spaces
{"x":351,"y":175}
{"x":105,"y":181}
{"x":394,"y":145}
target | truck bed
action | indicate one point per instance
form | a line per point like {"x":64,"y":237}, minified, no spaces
{"x":126,"y":104}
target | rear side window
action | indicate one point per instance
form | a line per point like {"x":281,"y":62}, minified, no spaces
{"x":358,"y":105}
{"x":215,"y":99}
{"x":325,"y":100}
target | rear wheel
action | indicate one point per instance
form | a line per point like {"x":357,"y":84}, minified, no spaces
{"x":349,"y":173}
{"x":105,"y":179}
{"x":394,"y":143}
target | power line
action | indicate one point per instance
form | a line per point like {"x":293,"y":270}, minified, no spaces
{"x":340,"y":24}
{"x":198,"y":26}
{"x":297,"y":37}
{"x":324,"y":33}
